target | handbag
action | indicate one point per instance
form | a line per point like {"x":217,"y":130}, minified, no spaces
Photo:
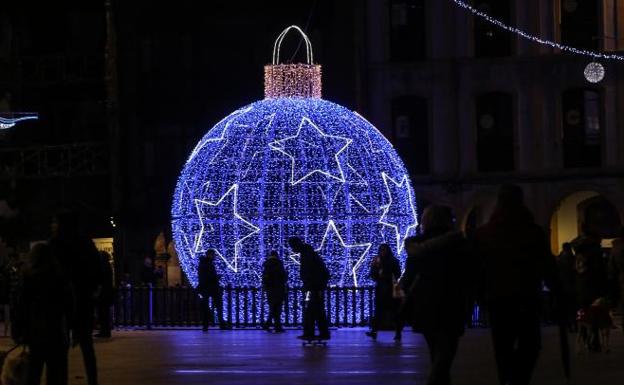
{"x":397,"y":290}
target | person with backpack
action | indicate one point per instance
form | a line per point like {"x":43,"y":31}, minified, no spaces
{"x":315,"y":277}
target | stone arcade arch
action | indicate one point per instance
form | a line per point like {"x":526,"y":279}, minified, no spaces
{"x":583,"y":206}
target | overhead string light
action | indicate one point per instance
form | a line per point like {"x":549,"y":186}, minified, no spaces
{"x":15,"y":118}
{"x":537,"y":39}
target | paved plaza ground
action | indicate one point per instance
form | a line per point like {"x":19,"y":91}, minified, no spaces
{"x":255,"y":357}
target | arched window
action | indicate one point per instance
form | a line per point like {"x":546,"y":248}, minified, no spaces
{"x":580,"y":23}
{"x":411,"y":132}
{"x":582,"y":126}
{"x":490,"y":40}
{"x":495,"y":127}
{"x":408,"y":27}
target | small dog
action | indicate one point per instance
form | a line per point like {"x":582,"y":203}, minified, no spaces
{"x":594,"y":327}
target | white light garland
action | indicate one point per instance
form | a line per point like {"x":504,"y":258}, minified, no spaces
{"x":536,"y":39}
{"x":10,"y":122}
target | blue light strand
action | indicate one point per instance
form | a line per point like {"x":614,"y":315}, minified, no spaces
{"x":536,"y":39}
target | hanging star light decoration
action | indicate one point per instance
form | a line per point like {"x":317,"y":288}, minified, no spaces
{"x":292,"y":164}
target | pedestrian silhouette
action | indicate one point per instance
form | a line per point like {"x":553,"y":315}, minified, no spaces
{"x":44,"y":313}
{"x":566,"y":264}
{"x":274,"y":278}
{"x":385,"y":272}
{"x":436,"y":282}
{"x":148,"y":275}
{"x":209,"y":288}
{"x":516,"y":261}
{"x":616,"y":270}
{"x":80,"y":262}
{"x":105,"y":296}
{"x":315,"y":277}
{"x":591,"y":280}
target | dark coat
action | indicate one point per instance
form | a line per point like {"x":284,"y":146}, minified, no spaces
{"x":515,"y":257}
{"x":591,"y":270}
{"x":616,"y":269}
{"x":314,"y":273}
{"x":207,"y":277}
{"x":106,"y":281}
{"x":384,"y":272}
{"x":566,"y":263}
{"x":80,"y":262}
{"x":274,"y":276}
{"x":436,"y":283}
{"x":148,"y":277}
{"x":45,"y":304}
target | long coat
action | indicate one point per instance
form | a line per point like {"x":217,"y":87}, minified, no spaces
{"x":436,"y":283}
{"x":384,"y":273}
{"x":515,"y":257}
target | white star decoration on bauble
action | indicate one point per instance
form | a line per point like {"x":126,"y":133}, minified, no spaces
{"x":400,"y":197}
{"x":350,"y":264}
{"x":312,"y":151}
{"x":237,"y":228}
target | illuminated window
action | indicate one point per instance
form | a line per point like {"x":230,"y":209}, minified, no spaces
{"x":581,"y":128}
{"x":580,"y":23}
{"x":494,"y":113}
{"x":411,"y":132}
{"x":490,"y":40}
{"x":407,"y":30}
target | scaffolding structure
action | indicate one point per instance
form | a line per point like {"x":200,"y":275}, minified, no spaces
{"x":67,"y":160}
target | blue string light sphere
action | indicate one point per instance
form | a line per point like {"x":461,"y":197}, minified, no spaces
{"x":292,"y":164}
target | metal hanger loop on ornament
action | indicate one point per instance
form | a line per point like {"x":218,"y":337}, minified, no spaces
{"x":278,"y":44}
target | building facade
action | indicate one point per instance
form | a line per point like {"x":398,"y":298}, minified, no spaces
{"x":471,"y":106}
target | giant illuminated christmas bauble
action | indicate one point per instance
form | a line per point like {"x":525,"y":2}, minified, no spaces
{"x":292,"y":164}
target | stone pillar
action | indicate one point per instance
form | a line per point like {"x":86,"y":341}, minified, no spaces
{"x":524,"y":144}
{"x":464,"y":32}
{"x":550,"y":127}
{"x":443,"y":131}
{"x":467,"y":134}
{"x":610,"y":148}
